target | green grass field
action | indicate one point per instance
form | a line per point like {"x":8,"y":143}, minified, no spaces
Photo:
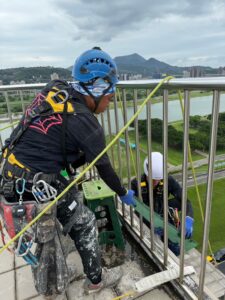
{"x":124,"y":164}
{"x":217,"y":226}
{"x":179,"y":127}
{"x":175,"y":157}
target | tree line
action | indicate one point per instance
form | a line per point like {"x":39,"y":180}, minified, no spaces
{"x":199,"y":138}
{"x":33,"y":74}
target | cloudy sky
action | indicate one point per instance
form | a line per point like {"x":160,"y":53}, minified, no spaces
{"x":55,"y":32}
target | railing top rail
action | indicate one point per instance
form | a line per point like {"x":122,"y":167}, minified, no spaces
{"x":13,"y":87}
{"x":183,"y":83}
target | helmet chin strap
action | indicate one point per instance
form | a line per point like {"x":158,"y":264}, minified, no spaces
{"x":98,"y":99}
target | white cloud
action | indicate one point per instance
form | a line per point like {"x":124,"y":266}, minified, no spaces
{"x":54,"y":32}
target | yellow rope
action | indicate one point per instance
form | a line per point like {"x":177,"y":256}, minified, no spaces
{"x":87,"y":168}
{"x":130,"y":293}
{"x":10,"y":125}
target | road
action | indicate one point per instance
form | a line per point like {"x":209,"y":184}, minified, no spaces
{"x":197,"y":163}
{"x":201,"y":178}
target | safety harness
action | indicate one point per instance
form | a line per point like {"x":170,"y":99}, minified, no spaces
{"x":158,"y":202}
{"x":56,"y":98}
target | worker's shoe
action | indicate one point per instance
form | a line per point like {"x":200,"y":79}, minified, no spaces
{"x":110,"y":277}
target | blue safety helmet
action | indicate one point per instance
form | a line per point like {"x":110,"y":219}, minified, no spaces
{"x":93,"y":64}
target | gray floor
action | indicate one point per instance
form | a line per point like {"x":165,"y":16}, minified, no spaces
{"x":16,"y":282}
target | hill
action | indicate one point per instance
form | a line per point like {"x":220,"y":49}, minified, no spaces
{"x":135,"y":63}
{"x":130,"y":64}
{"x":33,"y":74}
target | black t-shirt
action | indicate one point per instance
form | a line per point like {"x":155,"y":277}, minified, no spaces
{"x":40,"y":147}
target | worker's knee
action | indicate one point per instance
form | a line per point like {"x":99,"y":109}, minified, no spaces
{"x":85,"y":217}
{"x":84,"y":231}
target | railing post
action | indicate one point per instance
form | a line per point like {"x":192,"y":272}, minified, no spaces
{"x":214,"y":126}
{"x":22,"y":100}
{"x":8,"y":108}
{"x":124,"y":100}
{"x":165,"y":175}
{"x":138,"y":162}
{"x":184,"y":179}
{"x":118,"y":141}
{"x":150,"y":187}
{"x":110,"y":136}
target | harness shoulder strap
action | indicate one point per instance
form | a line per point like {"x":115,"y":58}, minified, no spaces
{"x":56,"y":98}
{"x":50,"y":101}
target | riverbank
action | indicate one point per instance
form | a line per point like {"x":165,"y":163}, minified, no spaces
{"x":216,"y":238}
{"x":154,"y":100}
{"x":159,"y":99}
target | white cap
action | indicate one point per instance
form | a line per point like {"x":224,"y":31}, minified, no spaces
{"x":157,"y":166}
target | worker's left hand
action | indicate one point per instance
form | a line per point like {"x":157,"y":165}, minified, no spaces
{"x":128,"y":198}
{"x":188,"y":227}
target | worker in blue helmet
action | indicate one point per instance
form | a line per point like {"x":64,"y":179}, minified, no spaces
{"x":95,"y":73}
{"x":52,"y":137}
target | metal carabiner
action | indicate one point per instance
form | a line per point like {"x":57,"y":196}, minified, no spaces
{"x":20,"y":187}
{"x":65,"y":95}
{"x":18,"y":248}
{"x":43,"y":192}
{"x":36,"y":177}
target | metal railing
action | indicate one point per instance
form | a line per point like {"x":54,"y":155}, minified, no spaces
{"x":113,"y":120}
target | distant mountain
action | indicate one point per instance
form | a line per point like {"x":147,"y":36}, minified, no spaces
{"x":160,"y":67}
{"x":135,"y":63}
{"x":131,"y":60}
{"x":131,"y":64}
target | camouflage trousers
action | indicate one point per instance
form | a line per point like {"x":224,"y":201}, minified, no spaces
{"x":52,"y":274}
{"x":80,"y":223}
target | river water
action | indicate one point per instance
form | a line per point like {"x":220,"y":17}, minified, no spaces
{"x":198,"y":106}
